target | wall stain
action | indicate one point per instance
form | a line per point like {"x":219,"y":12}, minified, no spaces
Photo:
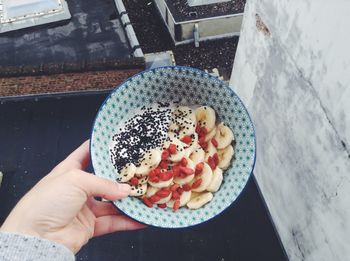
{"x":261,"y":26}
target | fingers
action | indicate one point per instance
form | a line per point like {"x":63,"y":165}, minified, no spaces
{"x":109,"y":224}
{"x":101,"y":208}
{"x":78,"y":159}
{"x":94,"y":186}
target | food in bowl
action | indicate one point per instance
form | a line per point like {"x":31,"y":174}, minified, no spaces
{"x":172,"y":156}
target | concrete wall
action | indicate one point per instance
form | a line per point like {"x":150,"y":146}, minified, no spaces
{"x":292,"y":70}
{"x":213,"y":27}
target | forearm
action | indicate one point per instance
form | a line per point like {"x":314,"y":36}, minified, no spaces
{"x":17,"y":247}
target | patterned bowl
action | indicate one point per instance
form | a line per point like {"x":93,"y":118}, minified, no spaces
{"x":191,"y":86}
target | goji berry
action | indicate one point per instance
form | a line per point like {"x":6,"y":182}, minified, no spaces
{"x":154,"y":179}
{"x":216,"y":159}
{"x":164,"y":176}
{"x":134,"y":181}
{"x":186,"y":187}
{"x":186,"y":139}
{"x":176,"y":205}
{"x":183,"y":162}
{"x":211,"y":162}
{"x":203,"y":131}
{"x":147,"y":202}
{"x":176,"y":170}
{"x":180,"y":190}
{"x":172,"y":148}
{"x":163,"y":193}
{"x":204,"y":145}
{"x":201,"y":140}
{"x":198,"y":129}
{"x":162,"y":205}
{"x":163,"y":165}
{"x":199,"y":168}
{"x":186,"y":171}
{"x":152,"y":174}
{"x":174,"y":187}
{"x":165,"y":154}
{"x":197,"y":183}
{"x":175,"y":195}
{"x":154,"y":198}
{"x":214,"y":142}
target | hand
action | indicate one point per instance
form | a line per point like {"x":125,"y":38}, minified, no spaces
{"x":61,"y":207}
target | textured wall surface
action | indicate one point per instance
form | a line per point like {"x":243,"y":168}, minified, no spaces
{"x":292,"y":70}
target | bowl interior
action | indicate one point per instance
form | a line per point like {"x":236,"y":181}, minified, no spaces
{"x":189,"y":86}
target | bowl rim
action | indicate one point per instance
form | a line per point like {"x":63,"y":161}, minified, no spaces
{"x":225,"y":86}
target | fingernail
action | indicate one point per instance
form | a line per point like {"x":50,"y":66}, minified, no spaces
{"x":124,"y":188}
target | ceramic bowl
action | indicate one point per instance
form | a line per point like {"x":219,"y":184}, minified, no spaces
{"x":191,"y":86}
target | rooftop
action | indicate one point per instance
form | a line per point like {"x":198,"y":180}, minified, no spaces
{"x":182,"y":11}
{"x":93,"y":32}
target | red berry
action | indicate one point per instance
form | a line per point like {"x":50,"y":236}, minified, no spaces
{"x":211,"y":162}
{"x":180,"y":190}
{"x":204,"y":145}
{"x":154,"y":198}
{"x":134,"y":181}
{"x":175,"y":195}
{"x":186,"y":187}
{"x":174,"y":187}
{"x":186,"y":139}
{"x":162,"y":205}
{"x":183,"y":162}
{"x":163,"y":165}
{"x":214,"y":142}
{"x":163,"y":193}
{"x":198,"y":129}
{"x":186,"y":171}
{"x":199,"y":168}
{"x":165,"y":154}
{"x":216,"y":159}
{"x":201,"y":140}
{"x":147,"y":202}
{"x":176,"y":205}
{"x":197,"y":183}
{"x":164,"y":176}
{"x":154,"y":179}
{"x":172,"y":148}
{"x":203,"y":131}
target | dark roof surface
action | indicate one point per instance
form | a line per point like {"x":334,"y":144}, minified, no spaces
{"x":93,"y":32}
{"x":36,"y":134}
{"x":181,"y":11}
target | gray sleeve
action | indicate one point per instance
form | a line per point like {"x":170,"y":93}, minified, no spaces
{"x":16,"y":247}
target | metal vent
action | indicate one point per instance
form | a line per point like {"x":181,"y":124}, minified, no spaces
{"x":205,"y":2}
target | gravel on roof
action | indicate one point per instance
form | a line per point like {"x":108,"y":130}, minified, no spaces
{"x":181,"y":11}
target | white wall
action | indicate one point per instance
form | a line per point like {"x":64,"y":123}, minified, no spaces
{"x":294,"y":76}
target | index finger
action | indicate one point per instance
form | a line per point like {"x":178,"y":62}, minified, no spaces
{"x":78,"y":159}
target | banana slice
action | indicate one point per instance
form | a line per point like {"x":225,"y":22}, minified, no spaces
{"x":194,"y":194}
{"x":210,"y":151}
{"x":225,"y":156}
{"x":224,"y":136}
{"x":206,"y":176}
{"x":200,"y":200}
{"x":188,"y":179}
{"x":210,"y":135}
{"x":149,"y":161}
{"x":126,"y":173}
{"x":192,"y":146}
{"x":151,"y":191}
{"x":198,"y":156}
{"x":184,"y":199}
{"x":143,"y":180}
{"x":138,"y":190}
{"x":216,"y":180}
{"x":180,"y":149}
{"x":161,"y":184}
{"x":205,"y":117}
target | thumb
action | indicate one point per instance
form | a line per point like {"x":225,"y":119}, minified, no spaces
{"x":95,"y":186}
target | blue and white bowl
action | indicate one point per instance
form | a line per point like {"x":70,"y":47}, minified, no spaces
{"x":191,"y":86}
